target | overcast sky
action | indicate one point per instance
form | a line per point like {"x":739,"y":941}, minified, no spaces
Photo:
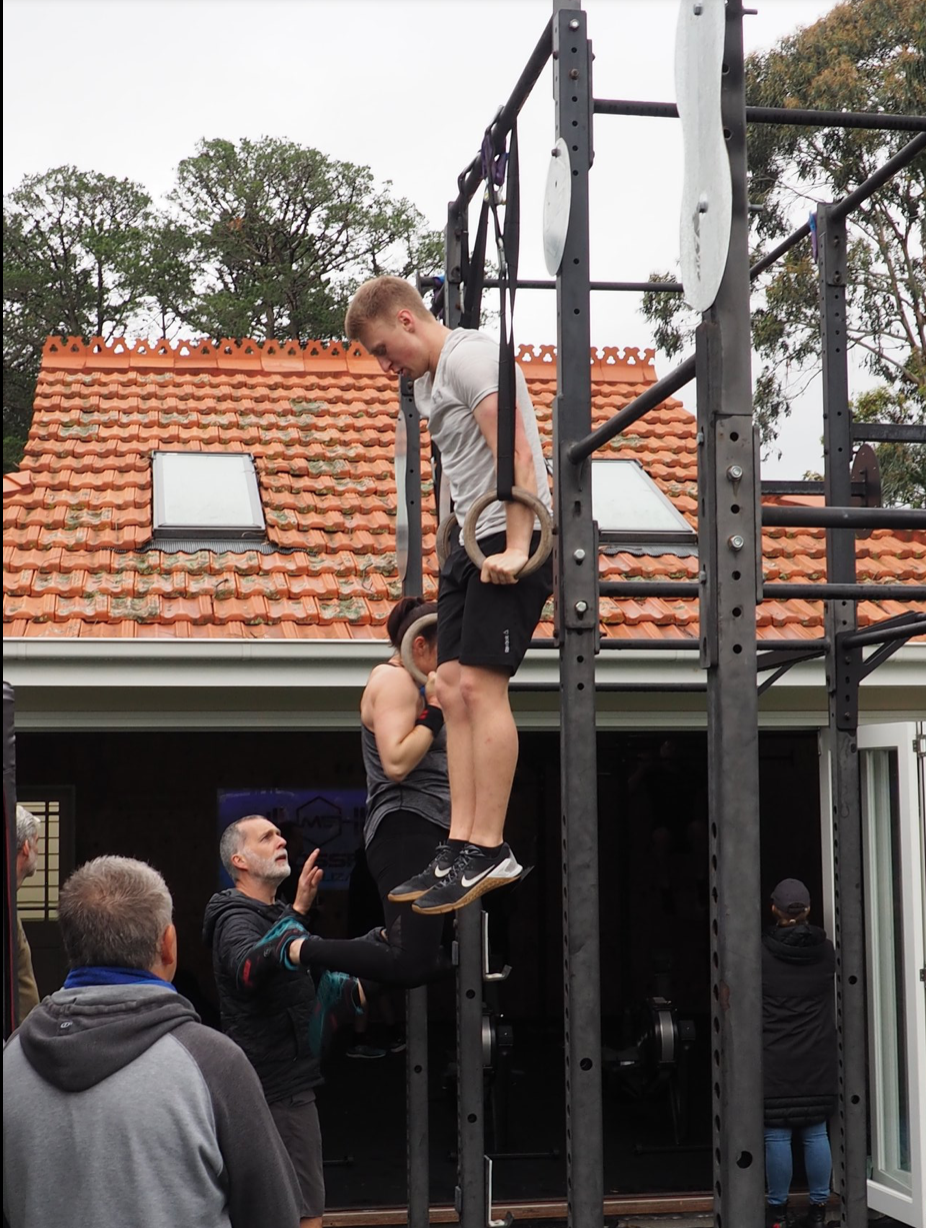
{"x":406,"y":87}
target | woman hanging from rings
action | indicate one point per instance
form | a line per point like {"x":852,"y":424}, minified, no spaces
{"x":408,"y":808}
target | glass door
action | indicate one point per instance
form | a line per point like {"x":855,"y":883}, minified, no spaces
{"x":892,"y":765}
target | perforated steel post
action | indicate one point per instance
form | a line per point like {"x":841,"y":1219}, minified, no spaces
{"x":416,"y":1000}
{"x":470,"y":1195}
{"x":727,"y":535}
{"x":843,"y":676}
{"x":576,"y":575}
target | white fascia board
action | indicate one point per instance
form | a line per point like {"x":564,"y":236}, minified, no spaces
{"x":346,"y":664}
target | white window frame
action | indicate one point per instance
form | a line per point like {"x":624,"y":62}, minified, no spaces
{"x":252,"y":527}
{"x":884,"y":1194}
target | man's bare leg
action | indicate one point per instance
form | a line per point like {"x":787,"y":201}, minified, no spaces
{"x":494,"y":743}
{"x":460,"y":767}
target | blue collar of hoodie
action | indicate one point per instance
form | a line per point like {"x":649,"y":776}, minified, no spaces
{"x":81,"y":978}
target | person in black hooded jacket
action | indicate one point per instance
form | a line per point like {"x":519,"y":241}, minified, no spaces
{"x":269,"y":1005}
{"x":798,"y":1051}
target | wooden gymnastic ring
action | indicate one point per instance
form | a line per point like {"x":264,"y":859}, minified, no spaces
{"x":520,"y":495}
{"x":446,"y":527}
{"x":408,"y":639}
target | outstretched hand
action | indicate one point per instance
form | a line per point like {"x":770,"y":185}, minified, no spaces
{"x":309,"y":882}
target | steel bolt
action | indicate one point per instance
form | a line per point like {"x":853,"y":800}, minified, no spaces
{"x":574,"y":24}
{"x":702,"y":204}
{"x":554,"y":152}
{"x":578,"y":555}
{"x":573,"y":74}
{"x":581,"y":607}
{"x":736,"y":542}
{"x":735,"y":472}
{"x":702,"y":576}
{"x":698,"y":9}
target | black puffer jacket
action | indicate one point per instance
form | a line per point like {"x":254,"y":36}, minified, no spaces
{"x":798,"y":1025}
{"x":271,"y":1021}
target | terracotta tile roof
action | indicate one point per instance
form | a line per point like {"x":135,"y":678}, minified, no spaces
{"x":319,"y":421}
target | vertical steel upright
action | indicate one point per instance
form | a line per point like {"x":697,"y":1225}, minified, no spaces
{"x":731,"y":561}
{"x":843,"y":676}
{"x":471,"y":1197}
{"x":576,"y":577}
{"x":416,"y":1000}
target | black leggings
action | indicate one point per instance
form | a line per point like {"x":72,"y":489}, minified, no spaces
{"x":403,"y":845}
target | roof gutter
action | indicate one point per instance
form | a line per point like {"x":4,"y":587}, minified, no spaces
{"x":101,"y":662}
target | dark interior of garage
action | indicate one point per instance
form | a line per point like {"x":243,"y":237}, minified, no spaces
{"x":155,"y":796}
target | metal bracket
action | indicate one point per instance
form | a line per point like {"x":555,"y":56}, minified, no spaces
{"x":486,"y":974}
{"x":494,"y":1223}
{"x":774,"y":657}
{"x":878,"y":657}
{"x":781,"y":660}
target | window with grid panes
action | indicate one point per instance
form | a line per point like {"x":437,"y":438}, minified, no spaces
{"x":37,"y":898}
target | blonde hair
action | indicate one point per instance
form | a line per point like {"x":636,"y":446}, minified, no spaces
{"x":379,"y":298}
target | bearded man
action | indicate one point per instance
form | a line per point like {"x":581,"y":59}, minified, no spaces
{"x":268,"y":1004}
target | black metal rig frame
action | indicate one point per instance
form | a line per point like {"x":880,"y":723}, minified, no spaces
{"x":730,"y":516}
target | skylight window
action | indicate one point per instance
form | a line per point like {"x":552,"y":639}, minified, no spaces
{"x":206,"y":495}
{"x":630,"y":507}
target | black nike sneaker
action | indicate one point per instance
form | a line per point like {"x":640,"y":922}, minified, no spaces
{"x":473,"y":874}
{"x":436,"y":872}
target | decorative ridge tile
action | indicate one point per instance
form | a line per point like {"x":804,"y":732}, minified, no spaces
{"x":609,"y":364}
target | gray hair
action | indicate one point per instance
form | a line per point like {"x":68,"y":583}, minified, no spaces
{"x":113,"y":912}
{"x":232,"y":842}
{"x":27,"y":827}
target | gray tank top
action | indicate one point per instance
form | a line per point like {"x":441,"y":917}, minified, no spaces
{"x":425,"y":790}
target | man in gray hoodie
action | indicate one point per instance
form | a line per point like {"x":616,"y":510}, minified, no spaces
{"x":119,"y":1107}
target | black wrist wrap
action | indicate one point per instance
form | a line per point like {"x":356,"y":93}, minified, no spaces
{"x":432,"y":718}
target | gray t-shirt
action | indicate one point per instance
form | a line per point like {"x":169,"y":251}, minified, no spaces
{"x":425,"y":790}
{"x":467,"y":372}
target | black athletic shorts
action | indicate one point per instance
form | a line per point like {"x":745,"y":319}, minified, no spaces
{"x":296,"y":1119}
{"x":488,"y":625}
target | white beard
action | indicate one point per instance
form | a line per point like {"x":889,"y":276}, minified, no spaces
{"x":268,"y":868}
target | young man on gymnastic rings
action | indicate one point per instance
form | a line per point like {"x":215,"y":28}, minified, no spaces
{"x":486,"y":616}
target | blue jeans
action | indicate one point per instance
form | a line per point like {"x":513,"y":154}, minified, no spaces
{"x":818,"y":1161}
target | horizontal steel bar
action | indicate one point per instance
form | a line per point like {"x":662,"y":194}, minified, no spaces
{"x":778,"y":591}
{"x":471,"y":177}
{"x":790,"y":116}
{"x":844,"y":517}
{"x":664,"y":287}
{"x":890,"y":432}
{"x":775,"y":591}
{"x":872,"y":635}
{"x":774,"y":487}
{"x":644,"y":644}
{"x":842,"y":208}
{"x":649,"y":588}
{"x":801,"y":117}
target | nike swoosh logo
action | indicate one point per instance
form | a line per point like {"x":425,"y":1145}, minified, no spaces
{"x":439,"y":873}
{"x":469,"y":882}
